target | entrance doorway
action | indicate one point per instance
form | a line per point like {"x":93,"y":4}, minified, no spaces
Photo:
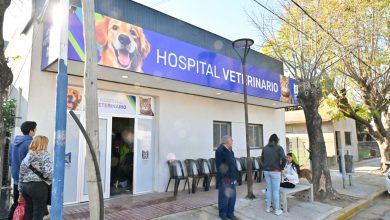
{"x":122,"y":156}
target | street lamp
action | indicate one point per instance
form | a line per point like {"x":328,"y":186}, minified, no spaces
{"x":242,"y":47}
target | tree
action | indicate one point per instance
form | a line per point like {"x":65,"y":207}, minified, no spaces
{"x":6,"y":78}
{"x":9,"y":123}
{"x":367,"y":68}
{"x":302,"y":47}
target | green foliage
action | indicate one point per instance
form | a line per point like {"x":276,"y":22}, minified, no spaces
{"x":17,"y":57}
{"x":360,"y":127}
{"x":365,"y":154}
{"x":357,"y":61}
{"x":9,"y":115}
{"x":293,"y":108}
{"x":329,"y":108}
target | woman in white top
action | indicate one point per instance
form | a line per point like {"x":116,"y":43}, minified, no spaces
{"x":290,"y":173}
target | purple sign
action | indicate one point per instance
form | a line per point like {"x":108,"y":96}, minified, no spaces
{"x":129,"y":47}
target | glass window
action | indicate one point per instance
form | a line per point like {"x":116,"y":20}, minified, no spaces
{"x":347,"y":138}
{"x":220,"y":129}
{"x":255,"y":135}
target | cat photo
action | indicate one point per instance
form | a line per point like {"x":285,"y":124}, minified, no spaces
{"x":285,"y":89}
{"x":145,"y":106}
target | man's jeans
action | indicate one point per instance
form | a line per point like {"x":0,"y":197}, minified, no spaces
{"x":273,"y":186}
{"x":226,"y":198}
{"x":35,"y":195}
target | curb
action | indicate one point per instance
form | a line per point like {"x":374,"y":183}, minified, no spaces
{"x":354,"y":208}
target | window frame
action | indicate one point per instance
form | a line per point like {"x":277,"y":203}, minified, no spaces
{"x":261,"y":141}
{"x":229,"y":124}
{"x":349,"y":142}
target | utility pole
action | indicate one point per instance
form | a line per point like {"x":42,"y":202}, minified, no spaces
{"x":60,"y":123}
{"x":91,"y":103}
{"x":341,"y":155}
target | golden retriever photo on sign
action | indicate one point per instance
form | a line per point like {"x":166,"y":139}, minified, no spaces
{"x":74,"y":99}
{"x":123,"y":45}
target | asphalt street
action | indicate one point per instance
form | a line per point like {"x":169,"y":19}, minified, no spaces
{"x":378,"y":210}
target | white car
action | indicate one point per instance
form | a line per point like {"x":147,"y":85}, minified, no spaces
{"x":388,"y":178}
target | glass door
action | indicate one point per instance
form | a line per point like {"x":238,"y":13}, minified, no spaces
{"x":72,"y":157}
{"x":104,"y":142}
{"x":144,"y":156}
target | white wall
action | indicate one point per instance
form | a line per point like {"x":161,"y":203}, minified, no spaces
{"x":300,"y":128}
{"x":38,"y":88}
{"x":19,"y":54}
{"x":299,"y":142}
{"x":186,"y":127}
{"x":184,"y":123}
{"x":343,"y":125}
{"x":36,"y":100}
{"x":348,"y":125}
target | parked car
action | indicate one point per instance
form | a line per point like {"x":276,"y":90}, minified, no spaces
{"x":388,"y":178}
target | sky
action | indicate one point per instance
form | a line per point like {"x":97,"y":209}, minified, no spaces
{"x":226,"y":18}
{"x":15,"y":14}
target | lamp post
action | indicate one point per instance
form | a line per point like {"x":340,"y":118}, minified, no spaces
{"x":242,"y":47}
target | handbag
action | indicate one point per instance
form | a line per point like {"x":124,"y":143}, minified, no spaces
{"x":40,"y":175}
{"x":19,"y":212}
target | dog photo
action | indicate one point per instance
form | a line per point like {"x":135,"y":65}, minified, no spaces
{"x":74,"y":99}
{"x":123,"y":45}
{"x":285,"y":89}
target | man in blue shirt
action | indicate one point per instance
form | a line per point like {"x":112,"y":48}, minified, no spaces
{"x":227,"y":175}
{"x":17,"y":152}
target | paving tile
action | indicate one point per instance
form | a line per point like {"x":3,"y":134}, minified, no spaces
{"x":153,"y":205}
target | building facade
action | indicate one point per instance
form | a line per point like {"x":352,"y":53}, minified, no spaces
{"x":339,"y":136}
{"x":166,"y":89}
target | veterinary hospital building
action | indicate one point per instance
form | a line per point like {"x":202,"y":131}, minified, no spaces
{"x":166,"y":89}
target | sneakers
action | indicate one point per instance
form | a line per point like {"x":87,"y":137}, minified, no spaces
{"x":268,"y":209}
{"x":278,"y":211}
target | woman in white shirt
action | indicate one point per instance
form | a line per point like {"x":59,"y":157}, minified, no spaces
{"x":290,"y":173}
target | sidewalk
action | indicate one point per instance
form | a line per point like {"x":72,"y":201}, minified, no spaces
{"x":364,"y":184}
{"x":202,"y":205}
{"x":254,"y":209}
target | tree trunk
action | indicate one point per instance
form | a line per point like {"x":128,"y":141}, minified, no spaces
{"x":2,"y":137}
{"x":5,"y":80}
{"x":385,"y":152}
{"x":379,"y":132}
{"x":309,"y":96}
